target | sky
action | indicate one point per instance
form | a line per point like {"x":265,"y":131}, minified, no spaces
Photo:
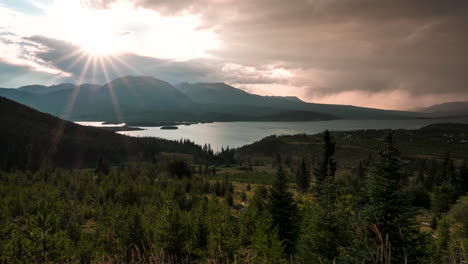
{"x":395,"y":54}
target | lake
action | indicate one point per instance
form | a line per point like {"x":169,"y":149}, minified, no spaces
{"x":98,"y":124}
{"x":236,"y":134}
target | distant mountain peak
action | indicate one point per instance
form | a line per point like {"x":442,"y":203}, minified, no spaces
{"x":42,"y":89}
{"x":289,"y":98}
{"x":132,"y":78}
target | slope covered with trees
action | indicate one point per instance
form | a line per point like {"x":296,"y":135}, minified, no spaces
{"x":30,"y":139}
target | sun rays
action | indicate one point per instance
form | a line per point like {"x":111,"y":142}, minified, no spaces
{"x":92,"y":68}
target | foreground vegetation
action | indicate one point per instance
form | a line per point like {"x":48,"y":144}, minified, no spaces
{"x":173,"y":211}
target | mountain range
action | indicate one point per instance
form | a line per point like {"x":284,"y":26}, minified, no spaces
{"x":141,"y":99}
{"x":446,"y":109}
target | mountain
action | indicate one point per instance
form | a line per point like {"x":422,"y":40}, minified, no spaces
{"x":447,"y":109}
{"x":125,"y":98}
{"x":221,"y":93}
{"x":30,"y":139}
{"x":289,"y":98}
{"x":296,"y":115}
{"x":41,"y":89}
{"x":218,"y":93}
{"x":18,"y":95}
{"x":144,"y":100}
{"x":226,"y":96}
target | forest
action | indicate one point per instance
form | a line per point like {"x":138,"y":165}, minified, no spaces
{"x":173,"y":210}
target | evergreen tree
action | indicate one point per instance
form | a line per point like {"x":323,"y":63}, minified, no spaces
{"x":266,"y":244}
{"x":283,"y":211}
{"x":387,"y":217}
{"x":135,"y":236}
{"x":303,"y":177}
{"x":278,"y":160}
{"x":251,"y":215}
{"x":228,"y":198}
{"x":102,"y":167}
{"x":243,"y":196}
{"x":324,"y":172}
{"x":171,"y":230}
{"x":463,"y":179}
{"x":325,"y":226}
{"x":223,"y":240}
{"x":179,"y":169}
{"x":46,"y":241}
{"x":442,"y":243}
{"x":443,"y":197}
{"x":200,"y":229}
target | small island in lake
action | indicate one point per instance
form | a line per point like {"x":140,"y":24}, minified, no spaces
{"x":122,"y":128}
{"x":169,"y":127}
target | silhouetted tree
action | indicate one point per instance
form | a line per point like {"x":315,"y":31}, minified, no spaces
{"x":303,"y":177}
{"x":283,"y":211}
{"x":179,"y":169}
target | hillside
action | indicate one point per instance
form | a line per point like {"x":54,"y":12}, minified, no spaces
{"x":29,"y":138}
{"x":433,"y":141}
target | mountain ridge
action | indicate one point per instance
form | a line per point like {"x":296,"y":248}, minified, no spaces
{"x":134,"y":99}
{"x":459,"y":108}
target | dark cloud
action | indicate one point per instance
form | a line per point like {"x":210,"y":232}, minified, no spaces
{"x":77,"y":66}
{"x":12,"y":76}
{"x":357,"y":45}
{"x":328,"y":47}
{"x":82,"y":67}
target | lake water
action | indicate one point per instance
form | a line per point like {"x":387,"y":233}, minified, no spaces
{"x":98,"y":124}
{"x":236,"y":134}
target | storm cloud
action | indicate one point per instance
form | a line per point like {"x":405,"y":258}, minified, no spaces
{"x":332,"y":51}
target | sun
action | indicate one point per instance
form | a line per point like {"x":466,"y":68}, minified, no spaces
{"x":102,"y":44}
{"x":122,"y":27}
{"x":96,"y":32}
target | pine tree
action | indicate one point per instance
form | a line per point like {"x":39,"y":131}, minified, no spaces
{"x":266,"y":244}
{"x":387,"y":214}
{"x":251,"y":215}
{"x":446,"y":189}
{"x":283,"y":211}
{"x":228,"y":199}
{"x":200,"y":231}
{"x":223,"y":238}
{"x":171,"y":230}
{"x":135,"y":236}
{"x":303,"y":177}
{"x":324,"y":172}
{"x":102,"y":167}
{"x":463,"y":178}
{"x":443,"y":197}
{"x":325,"y":226}
{"x":243,"y":196}
{"x":442,"y":243}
